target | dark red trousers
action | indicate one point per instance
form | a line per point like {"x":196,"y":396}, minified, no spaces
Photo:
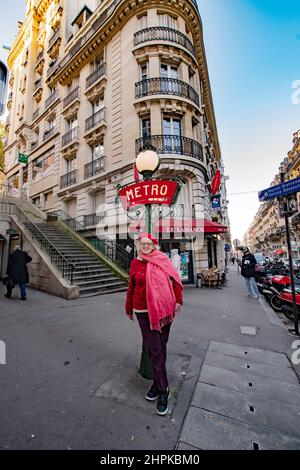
{"x":156,"y":345}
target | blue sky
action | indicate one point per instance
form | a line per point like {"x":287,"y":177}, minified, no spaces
{"x":252,"y":49}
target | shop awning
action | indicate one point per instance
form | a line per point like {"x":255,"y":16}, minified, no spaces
{"x":279,"y":252}
{"x":180,"y":225}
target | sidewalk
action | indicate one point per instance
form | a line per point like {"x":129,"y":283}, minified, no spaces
{"x":71,"y":379}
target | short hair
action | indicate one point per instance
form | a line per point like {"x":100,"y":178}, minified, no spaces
{"x":17,"y":247}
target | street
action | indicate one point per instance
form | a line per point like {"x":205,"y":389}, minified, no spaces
{"x":71,"y":382}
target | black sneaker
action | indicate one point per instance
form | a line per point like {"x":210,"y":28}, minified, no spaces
{"x":153,"y":393}
{"x":162,"y":404}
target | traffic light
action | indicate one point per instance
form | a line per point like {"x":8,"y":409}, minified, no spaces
{"x":3,"y":86}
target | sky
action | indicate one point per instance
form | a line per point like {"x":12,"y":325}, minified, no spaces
{"x":252,"y":49}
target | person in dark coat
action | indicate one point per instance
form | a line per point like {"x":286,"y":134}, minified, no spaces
{"x":248,"y":272}
{"x":17,"y":272}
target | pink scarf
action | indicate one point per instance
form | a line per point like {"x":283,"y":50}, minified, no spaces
{"x":160,"y":295}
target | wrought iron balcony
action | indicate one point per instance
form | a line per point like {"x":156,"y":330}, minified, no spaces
{"x":40,"y":56}
{"x":166,"y":86}
{"x":49,"y":133}
{"x":52,"y":69}
{"x":50,"y":99}
{"x":38,"y":84}
{"x":171,"y":144}
{"x":73,"y":95}
{"x":162,"y":33}
{"x":95,"y":119}
{"x":68,"y":179}
{"x":70,"y":136}
{"x":36,"y":114}
{"x":93,"y":219}
{"x":96,"y":75}
{"x":54,"y":38}
{"x":94,"y":167}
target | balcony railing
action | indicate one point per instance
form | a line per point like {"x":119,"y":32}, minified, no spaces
{"x":36,"y":114}
{"x":54,"y":38}
{"x":51,"y":99}
{"x":95,"y":119}
{"x":68,"y":179}
{"x":171,"y":144}
{"x":94,"y":167}
{"x":38,"y":84}
{"x":71,"y":97}
{"x":49,"y":133}
{"x":96,"y":75}
{"x":70,"y":136}
{"x":52,"y":69}
{"x":34,"y":145}
{"x":166,"y":86}
{"x":163,"y":33}
{"x":93,"y":219}
{"x":40,"y":56}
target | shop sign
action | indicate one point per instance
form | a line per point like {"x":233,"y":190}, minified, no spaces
{"x":148,"y":192}
{"x":216,"y":202}
{"x":216,"y":181}
{"x":23,"y":158}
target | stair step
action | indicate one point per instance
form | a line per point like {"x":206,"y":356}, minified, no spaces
{"x":98,"y":282}
{"x":103,"y":292}
{"x":103,"y":287}
{"x":94,"y":276}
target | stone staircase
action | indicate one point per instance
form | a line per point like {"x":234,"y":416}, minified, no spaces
{"x":90,"y":275}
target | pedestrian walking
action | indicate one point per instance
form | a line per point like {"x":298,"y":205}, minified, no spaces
{"x":17,"y":272}
{"x":154,"y":295}
{"x":233,"y":259}
{"x":248,"y":272}
{"x":176,"y":259}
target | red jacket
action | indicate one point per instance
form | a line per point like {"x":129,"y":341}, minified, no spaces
{"x":136,"y":293}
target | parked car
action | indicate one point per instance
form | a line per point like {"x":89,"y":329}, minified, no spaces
{"x":260,"y":259}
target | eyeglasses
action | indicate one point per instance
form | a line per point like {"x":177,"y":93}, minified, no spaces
{"x":146,"y":244}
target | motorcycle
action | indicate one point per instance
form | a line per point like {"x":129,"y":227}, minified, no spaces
{"x":286,"y":302}
{"x":273,"y":288}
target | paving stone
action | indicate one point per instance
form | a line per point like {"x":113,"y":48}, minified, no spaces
{"x":209,"y":431}
{"x":257,"y":355}
{"x":248,"y":330}
{"x":246,"y":365}
{"x":260,"y":387}
{"x":252,"y":410}
{"x":184,"y":446}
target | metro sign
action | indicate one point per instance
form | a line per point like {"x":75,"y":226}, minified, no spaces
{"x":148,"y":192}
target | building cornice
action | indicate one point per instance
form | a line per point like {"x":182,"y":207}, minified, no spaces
{"x":122,"y":12}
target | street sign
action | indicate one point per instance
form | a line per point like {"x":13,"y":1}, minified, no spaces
{"x":216,"y":202}
{"x":288,"y":187}
{"x":148,"y":192}
{"x":236,"y":243}
{"x":23,"y":158}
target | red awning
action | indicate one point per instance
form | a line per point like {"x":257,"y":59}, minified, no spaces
{"x":180,"y":225}
{"x":214,"y":227}
{"x":279,"y":252}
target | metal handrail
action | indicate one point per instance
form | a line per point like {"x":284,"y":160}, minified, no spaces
{"x":166,"y":86}
{"x":56,"y":257}
{"x":54,"y":37}
{"x":108,"y":248}
{"x":163,"y":33}
{"x":171,"y":144}
{"x":95,"y":119}
{"x":71,"y":97}
{"x":96,"y":75}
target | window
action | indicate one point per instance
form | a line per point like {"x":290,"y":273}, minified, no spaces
{"x":143,"y":21}
{"x":97,"y":105}
{"x":167,"y":20}
{"x":172,"y":135}
{"x":70,"y":165}
{"x":144,"y":71}
{"x":168,"y":71}
{"x":72,"y":123}
{"x":25,"y":175}
{"x":97,"y":151}
{"x":145,"y":127}
{"x":98,"y":200}
{"x":42,"y":163}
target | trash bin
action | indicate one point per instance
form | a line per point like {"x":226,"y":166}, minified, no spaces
{"x":199,"y":280}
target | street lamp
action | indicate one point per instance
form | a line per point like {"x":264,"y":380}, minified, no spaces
{"x":147,"y":163}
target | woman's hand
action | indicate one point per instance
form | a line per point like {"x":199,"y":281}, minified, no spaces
{"x":177,"y":308}
{"x":130,"y":316}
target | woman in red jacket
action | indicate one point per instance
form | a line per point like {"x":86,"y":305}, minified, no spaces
{"x":154,"y":295}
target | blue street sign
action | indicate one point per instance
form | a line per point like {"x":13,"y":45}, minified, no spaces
{"x":288,"y":187}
